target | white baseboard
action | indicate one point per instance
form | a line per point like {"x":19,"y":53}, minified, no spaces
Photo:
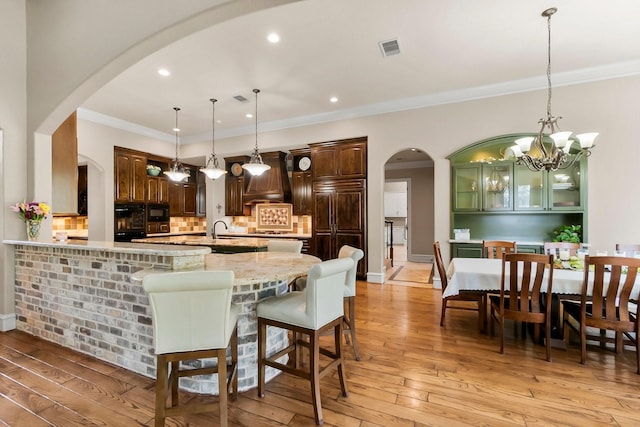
{"x":375,"y":277}
{"x":420,"y":258}
{"x":437,"y":283}
{"x":7,"y":322}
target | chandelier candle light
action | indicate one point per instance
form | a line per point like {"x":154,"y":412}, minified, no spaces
{"x":212,"y":169}
{"x":177,"y":171}
{"x":558,"y":156}
{"x":256,"y":166}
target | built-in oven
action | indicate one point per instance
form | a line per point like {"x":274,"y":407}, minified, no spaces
{"x":129,"y":222}
{"x":158,"y":219}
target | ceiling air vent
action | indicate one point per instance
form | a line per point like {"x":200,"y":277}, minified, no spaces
{"x":390,"y":47}
{"x":240,"y":98}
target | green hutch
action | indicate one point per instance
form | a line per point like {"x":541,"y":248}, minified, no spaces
{"x":497,"y":199}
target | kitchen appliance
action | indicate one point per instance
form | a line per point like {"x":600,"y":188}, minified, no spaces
{"x":129,"y":222}
{"x":157,"y":213}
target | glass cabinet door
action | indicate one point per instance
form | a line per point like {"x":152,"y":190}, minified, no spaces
{"x":530,"y":193}
{"x":466,"y":190}
{"x":497,"y":186}
{"x":565,"y":188}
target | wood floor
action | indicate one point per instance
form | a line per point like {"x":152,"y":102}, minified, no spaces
{"x":412,"y":373}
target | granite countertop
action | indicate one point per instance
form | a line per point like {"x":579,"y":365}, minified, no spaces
{"x":251,"y":267}
{"x":205,"y":241}
{"x":136,"y":248}
{"x":178,"y":233}
{"x":267,"y":235}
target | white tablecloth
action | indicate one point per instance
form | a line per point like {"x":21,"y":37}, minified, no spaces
{"x":469,"y":274}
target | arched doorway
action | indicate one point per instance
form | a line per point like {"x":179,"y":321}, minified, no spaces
{"x":408,"y":211}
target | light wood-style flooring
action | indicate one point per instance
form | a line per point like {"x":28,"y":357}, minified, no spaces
{"x":412,"y":373}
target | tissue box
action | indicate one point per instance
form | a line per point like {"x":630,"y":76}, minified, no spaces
{"x":461,"y":234}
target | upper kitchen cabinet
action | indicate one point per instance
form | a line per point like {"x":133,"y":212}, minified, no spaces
{"x":234,"y":187}
{"x":273,"y":185}
{"x":183,"y":195}
{"x":64,"y":167}
{"x":157,"y":190}
{"x":339,"y":159}
{"x":302,"y":182}
{"x":130,"y":170}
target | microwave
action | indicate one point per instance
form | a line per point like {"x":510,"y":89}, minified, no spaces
{"x":158,"y":213}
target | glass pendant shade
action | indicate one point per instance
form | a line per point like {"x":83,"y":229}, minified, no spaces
{"x":255,"y":166}
{"x":177,"y":171}
{"x":212,"y":169}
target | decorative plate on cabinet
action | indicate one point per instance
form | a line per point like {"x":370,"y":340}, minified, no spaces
{"x":304,"y":163}
{"x":236,"y":169}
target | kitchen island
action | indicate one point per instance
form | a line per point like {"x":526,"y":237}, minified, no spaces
{"x":88,"y":296}
{"x":224,"y":246}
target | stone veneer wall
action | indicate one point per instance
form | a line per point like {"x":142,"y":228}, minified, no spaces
{"x":84,"y":299}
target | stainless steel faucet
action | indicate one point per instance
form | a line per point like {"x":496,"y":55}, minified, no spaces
{"x":213,"y":230}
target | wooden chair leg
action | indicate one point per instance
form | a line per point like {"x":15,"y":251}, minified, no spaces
{"x":314,"y":374}
{"x":338,"y":346}
{"x":234,"y":361}
{"x":444,"y":309}
{"x":174,"y":382}
{"x":161,"y":389}
{"x":547,"y":340}
{"x":222,"y":387}
{"x":262,"y":354}
{"x":501,"y":326}
{"x":351,"y":322}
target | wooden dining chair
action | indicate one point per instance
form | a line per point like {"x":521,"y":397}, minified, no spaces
{"x":553,"y":248}
{"x":495,"y":248}
{"x":522,"y":295}
{"x":478,"y":297}
{"x":605,"y":304}
{"x":628,"y":249}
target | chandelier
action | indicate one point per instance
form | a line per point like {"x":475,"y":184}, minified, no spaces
{"x":557,"y":156}
{"x":212,"y":169}
{"x":256,"y":166}
{"x":177,"y":171}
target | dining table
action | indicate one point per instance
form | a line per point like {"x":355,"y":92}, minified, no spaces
{"x":484,"y":274}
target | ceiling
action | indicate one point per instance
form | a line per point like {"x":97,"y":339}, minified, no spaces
{"x":449,"y":51}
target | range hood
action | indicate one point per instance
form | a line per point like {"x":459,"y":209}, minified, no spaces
{"x":272,"y":186}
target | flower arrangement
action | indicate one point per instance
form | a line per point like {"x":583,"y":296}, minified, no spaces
{"x":33,"y":211}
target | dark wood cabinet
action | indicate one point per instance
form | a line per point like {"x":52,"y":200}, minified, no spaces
{"x":339,"y":218}
{"x":158,"y":227}
{"x":339,"y":159}
{"x":339,"y":202}
{"x":201,"y":195}
{"x":182,"y":199}
{"x":302,"y":193}
{"x":157,"y":189}
{"x":130,"y":176}
{"x":235,"y":187}
{"x":301,"y":182}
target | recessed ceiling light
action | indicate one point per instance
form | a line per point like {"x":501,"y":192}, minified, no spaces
{"x":273,"y":37}
{"x":333,"y":99}
{"x":248,"y":115}
{"x":164,"y":72}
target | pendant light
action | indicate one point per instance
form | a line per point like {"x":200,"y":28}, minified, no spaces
{"x":212,"y":169}
{"x":177,"y":172}
{"x":255,"y":166}
{"x":557,"y":156}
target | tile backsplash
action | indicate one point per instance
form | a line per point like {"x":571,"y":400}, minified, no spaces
{"x":183,"y":224}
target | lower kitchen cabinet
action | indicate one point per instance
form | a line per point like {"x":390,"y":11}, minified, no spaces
{"x":339,"y":218}
{"x":474,"y":250}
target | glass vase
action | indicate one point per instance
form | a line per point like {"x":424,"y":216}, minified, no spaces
{"x":33,"y":229}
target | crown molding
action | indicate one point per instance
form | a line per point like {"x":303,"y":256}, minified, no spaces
{"x":567,"y":78}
